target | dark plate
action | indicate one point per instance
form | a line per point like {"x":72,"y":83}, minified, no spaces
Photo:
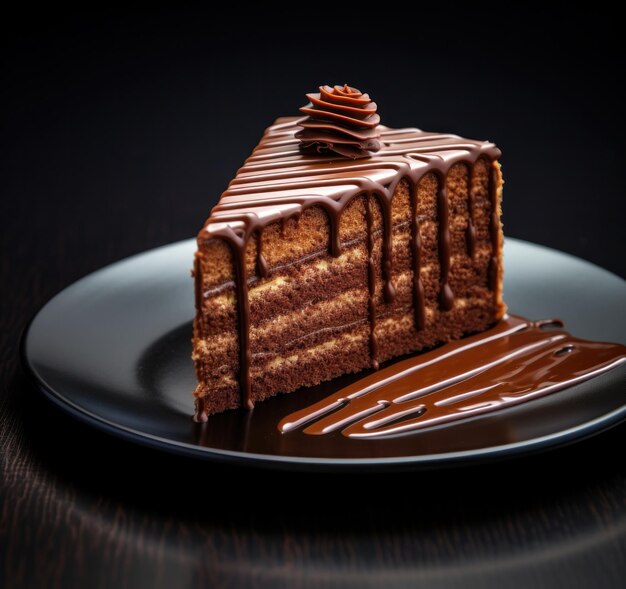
{"x":114,"y":350}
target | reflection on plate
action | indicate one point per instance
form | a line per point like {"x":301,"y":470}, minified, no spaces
{"x":114,"y":351}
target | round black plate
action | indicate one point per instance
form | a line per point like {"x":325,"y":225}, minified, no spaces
{"x":114,"y":350}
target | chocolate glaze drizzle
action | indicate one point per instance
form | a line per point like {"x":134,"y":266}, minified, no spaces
{"x":278,"y":182}
{"x":515,"y":361}
{"x":494,"y":227}
{"x":446,"y":297}
{"x":371,"y":283}
{"x":200,"y":414}
{"x":419,"y":305}
{"x":470,"y":235}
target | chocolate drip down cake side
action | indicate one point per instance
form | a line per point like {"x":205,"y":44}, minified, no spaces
{"x":341,"y":244}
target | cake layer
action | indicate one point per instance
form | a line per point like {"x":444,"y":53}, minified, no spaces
{"x":310,"y":267}
{"x":328,"y":353}
{"x":274,"y":325}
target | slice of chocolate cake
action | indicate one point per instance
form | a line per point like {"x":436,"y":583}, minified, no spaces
{"x":341,"y":244}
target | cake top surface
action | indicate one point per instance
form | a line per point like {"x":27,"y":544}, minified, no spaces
{"x":278,"y":180}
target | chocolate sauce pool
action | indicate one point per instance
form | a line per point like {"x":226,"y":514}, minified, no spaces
{"x":514,"y":362}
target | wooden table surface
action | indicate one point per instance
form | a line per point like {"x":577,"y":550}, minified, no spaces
{"x":97,"y":167}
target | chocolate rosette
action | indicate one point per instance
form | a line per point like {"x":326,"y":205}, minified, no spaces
{"x":340,"y":120}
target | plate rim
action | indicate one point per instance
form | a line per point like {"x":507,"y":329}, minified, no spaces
{"x":550,"y":441}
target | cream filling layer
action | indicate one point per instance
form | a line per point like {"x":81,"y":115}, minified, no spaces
{"x":312,"y":272}
{"x":213,"y":345}
{"x":357,"y":336}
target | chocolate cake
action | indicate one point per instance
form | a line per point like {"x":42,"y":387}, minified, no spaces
{"x":339,"y":245}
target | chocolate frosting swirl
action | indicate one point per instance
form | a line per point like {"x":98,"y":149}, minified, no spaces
{"x":342,"y":120}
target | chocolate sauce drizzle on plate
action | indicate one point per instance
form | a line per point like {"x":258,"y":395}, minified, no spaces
{"x":278,"y":182}
{"x":516,"y":361}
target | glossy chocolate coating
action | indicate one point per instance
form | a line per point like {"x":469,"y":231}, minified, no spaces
{"x":514,"y":362}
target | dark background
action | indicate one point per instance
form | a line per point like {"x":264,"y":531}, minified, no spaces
{"x":150,"y":115}
{"x":120,"y":132}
